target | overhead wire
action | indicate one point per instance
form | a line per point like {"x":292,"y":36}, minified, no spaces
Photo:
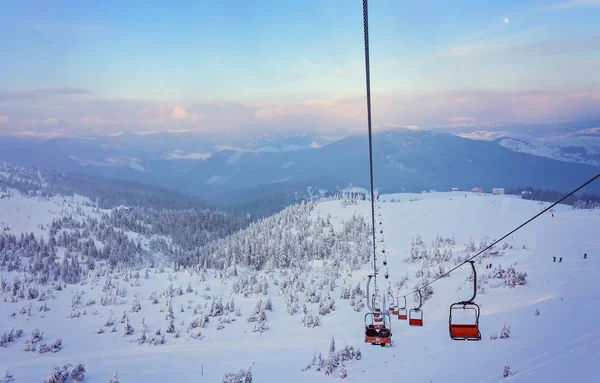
{"x":507,"y":235}
{"x":368,"y":83}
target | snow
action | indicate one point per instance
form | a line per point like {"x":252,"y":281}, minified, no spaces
{"x":561,"y":344}
{"x":25,"y":214}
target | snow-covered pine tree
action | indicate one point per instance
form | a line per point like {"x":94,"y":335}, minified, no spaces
{"x":127,"y":328}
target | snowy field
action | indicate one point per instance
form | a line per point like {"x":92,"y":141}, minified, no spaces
{"x":561,"y":344}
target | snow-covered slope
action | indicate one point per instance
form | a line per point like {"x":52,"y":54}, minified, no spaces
{"x":562,"y":343}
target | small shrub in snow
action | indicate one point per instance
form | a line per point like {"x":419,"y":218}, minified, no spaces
{"x":359,"y":305}
{"x":310,"y":320}
{"x":7,"y":337}
{"x":135,"y":307}
{"x":506,"y":370}
{"x":196,"y":335}
{"x":8,"y":378}
{"x":99,"y":330}
{"x":157,"y":340}
{"x":505,"y":332}
{"x":52,"y":347}
{"x":335,"y":359}
{"x":268,"y":305}
{"x":78,"y":373}
{"x":343,"y":373}
{"x":143,"y":330}
{"x":34,"y":340}
{"x":242,"y":376}
{"x":109,"y":322}
{"x":58,"y":374}
{"x":114,"y":378}
{"x":260,"y":326}
{"x":537,"y":312}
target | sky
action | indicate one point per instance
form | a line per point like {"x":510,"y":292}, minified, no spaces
{"x":87,"y":68}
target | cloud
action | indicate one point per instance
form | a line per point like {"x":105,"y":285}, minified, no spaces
{"x":407,"y":110}
{"x":19,"y":95}
{"x":91,"y":119}
{"x":178,"y":113}
{"x":307,"y":61}
{"x":566,"y":45}
{"x":506,"y":20}
{"x":50,"y":121}
{"x":340,"y":72}
{"x":576,"y":4}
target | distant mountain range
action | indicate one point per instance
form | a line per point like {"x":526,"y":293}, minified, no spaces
{"x":232,"y":171}
{"x":566,"y":141}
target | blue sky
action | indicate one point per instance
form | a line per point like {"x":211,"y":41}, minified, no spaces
{"x":110,"y":66}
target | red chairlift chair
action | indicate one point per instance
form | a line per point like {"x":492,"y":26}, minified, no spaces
{"x":466,"y":331}
{"x":415,"y":316}
{"x":402,"y":311}
{"x":378,"y":334}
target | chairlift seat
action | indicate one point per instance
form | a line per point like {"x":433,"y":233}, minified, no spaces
{"x":465,"y":332}
{"x":413,"y":320}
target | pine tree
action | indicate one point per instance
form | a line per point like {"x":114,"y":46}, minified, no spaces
{"x":114,"y":379}
{"x":332,"y":345}
{"x":249,"y":375}
{"x":127,"y":328}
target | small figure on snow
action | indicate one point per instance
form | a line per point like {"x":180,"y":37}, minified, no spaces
{"x":554,"y":259}
{"x":560,"y":260}
{"x":585,"y":256}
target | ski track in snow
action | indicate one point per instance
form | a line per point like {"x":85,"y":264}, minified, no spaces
{"x":561,"y":344}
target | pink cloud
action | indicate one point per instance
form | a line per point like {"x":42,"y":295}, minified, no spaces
{"x":449,"y":109}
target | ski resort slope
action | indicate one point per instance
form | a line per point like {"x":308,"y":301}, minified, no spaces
{"x":560,"y":344}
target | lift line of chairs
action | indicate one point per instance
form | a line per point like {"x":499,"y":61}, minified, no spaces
{"x":379,"y":331}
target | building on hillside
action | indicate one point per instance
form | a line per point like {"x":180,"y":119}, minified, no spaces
{"x":526,"y":194}
{"x":497,"y":190}
{"x":477,"y":190}
{"x":454,"y":189}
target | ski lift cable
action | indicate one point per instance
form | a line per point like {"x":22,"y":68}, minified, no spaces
{"x":368,"y":84}
{"x":507,"y":235}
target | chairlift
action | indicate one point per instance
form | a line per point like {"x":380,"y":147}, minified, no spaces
{"x":375,"y":333}
{"x":415,"y":316}
{"x":402,"y":310}
{"x":395,"y":310}
{"x":466,"y":331}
